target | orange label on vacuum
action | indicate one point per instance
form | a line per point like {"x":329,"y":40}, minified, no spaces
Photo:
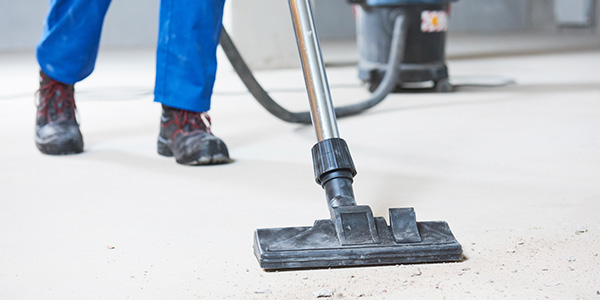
{"x":434,"y":21}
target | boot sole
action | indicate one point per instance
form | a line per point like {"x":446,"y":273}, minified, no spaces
{"x":58,"y":147}
{"x":210,"y":159}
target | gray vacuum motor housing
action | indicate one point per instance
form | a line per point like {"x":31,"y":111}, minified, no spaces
{"x":424,"y":47}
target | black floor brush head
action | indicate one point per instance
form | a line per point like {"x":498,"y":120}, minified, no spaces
{"x":319,"y":246}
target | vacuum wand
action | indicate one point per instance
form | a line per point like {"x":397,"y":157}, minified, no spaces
{"x":333,"y":175}
{"x":321,"y":106}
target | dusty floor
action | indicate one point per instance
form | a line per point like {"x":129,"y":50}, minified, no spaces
{"x":514,"y":170}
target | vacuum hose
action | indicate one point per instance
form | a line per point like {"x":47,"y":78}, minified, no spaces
{"x":387,"y":83}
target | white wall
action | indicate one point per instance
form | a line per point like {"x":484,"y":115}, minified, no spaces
{"x":131,"y":23}
{"x":128,"y":23}
{"x":262,"y":31}
{"x":335,"y":19}
{"x":573,"y":12}
{"x":20,"y":23}
{"x":488,"y":15}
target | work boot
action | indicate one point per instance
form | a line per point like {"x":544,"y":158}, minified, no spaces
{"x":187,"y":136}
{"x":56,"y":128}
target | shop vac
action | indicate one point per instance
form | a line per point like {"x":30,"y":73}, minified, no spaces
{"x":423,"y":63}
{"x":352,"y":236}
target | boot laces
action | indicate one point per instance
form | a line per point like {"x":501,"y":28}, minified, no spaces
{"x":188,"y":121}
{"x":55,"y":100}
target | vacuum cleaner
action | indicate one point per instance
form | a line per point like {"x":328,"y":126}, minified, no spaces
{"x":426,"y":22}
{"x":352,"y":236}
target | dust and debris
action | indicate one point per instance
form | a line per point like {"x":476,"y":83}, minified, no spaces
{"x":581,"y":228}
{"x":262,"y":292}
{"x":323,"y":293}
{"x":552,"y":284}
{"x":416,"y":272}
{"x":511,"y":250}
{"x":110,"y":247}
{"x":571,"y":259}
{"x":490,"y":280}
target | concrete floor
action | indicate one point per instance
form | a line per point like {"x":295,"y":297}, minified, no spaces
{"x":514,"y":170}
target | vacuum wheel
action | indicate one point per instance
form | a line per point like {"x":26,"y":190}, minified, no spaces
{"x":373,"y":82}
{"x":443,"y":86}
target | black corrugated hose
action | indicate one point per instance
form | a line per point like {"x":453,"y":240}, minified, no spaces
{"x":387,"y":83}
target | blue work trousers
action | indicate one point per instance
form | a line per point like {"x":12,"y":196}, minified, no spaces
{"x":186,"y":61}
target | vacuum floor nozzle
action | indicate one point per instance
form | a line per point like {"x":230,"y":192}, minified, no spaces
{"x":355,"y":238}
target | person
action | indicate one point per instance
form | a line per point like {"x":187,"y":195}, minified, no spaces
{"x":185,"y":73}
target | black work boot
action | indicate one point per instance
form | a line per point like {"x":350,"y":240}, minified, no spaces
{"x":187,"y":136}
{"x":56,"y":129}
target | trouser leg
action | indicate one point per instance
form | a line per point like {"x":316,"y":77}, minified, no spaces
{"x":186,"y":61}
{"x":68,"y":48}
